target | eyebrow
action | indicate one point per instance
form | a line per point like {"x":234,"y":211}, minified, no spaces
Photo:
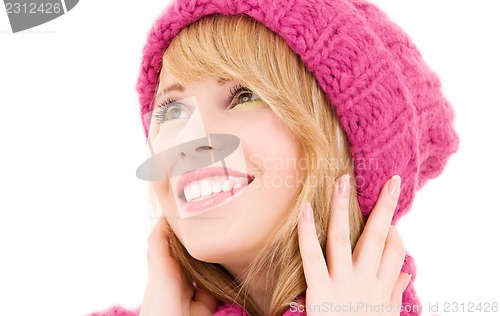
{"x":178,"y":87}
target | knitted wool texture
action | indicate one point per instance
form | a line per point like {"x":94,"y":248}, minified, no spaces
{"x":388,"y":100}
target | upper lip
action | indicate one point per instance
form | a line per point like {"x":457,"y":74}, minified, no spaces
{"x":207,"y":172}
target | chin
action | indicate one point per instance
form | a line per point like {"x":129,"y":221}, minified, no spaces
{"x":208,"y":253}
{"x":198,"y":245}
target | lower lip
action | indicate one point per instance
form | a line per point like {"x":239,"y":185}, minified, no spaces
{"x":212,"y":201}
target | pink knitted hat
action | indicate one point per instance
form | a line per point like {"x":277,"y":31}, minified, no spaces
{"x":388,"y":100}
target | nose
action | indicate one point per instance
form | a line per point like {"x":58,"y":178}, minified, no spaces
{"x":189,"y":156}
{"x":213,"y":146}
{"x":196,"y":147}
{"x":193,"y":149}
{"x":207,"y":145}
{"x":204,"y":151}
{"x":215,"y":143}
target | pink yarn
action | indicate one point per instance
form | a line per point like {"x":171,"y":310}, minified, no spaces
{"x":229,"y":310}
{"x":117,"y":311}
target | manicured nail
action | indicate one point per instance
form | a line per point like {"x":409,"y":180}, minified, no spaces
{"x":344,"y":185}
{"x":307,"y":212}
{"x":394,"y":185}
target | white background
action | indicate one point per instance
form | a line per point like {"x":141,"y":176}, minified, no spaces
{"x":74,"y":218}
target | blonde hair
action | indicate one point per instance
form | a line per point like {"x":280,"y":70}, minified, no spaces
{"x":244,"y":50}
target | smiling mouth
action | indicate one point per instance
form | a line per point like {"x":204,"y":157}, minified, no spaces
{"x":208,"y":187}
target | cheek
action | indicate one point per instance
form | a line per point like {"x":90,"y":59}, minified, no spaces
{"x":276,"y":157}
{"x":164,"y":194}
{"x":271,"y":149}
{"x":166,"y":200}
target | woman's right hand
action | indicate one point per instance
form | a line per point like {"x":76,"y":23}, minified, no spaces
{"x":168,"y":291}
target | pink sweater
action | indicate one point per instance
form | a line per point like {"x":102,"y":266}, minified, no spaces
{"x":223,"y":310}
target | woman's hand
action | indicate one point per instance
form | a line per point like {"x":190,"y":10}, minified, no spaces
{"x":168,"y":292}
{"x":367,"y":281}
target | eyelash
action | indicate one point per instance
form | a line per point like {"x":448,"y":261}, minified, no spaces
{"x":164,"y":106}
{"x":162,"y":109}
{"x":234,"y":91}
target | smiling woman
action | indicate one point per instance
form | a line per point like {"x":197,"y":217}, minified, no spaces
{"x":225,"y":88}
{"x":254,"y":102}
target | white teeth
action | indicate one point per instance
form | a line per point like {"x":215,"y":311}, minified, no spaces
{"x":206,"y":187}
{"x":195,"y":190}
{"x":240,"y":181}
{"x":199,"y":190}
{"x":227,"y":185}
{"x":187,"y":193}
{"x":216,"y":187}
{"x":192,"y":191}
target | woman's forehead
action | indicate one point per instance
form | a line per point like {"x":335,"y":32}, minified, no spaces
{"x":170,"y":85}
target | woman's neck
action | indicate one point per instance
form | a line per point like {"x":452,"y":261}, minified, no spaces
{"x":257,"y":284}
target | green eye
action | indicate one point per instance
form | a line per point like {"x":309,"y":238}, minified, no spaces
{"x":170,"y":110}
{"x":241,"y":95}
{"x":247,"y":97}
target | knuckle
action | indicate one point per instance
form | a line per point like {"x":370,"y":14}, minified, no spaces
{"x":310,"y":233}
{"x":378,"y":239}
{"x":394,"y":236}
{"x":316,"y":258}
{"x":342,"y":240}
{"x":153,"y":240}
{"x":395,"y":243}
{"x":340,"y":203}
{"x":388,"y":203}
{"x":401,"y":251}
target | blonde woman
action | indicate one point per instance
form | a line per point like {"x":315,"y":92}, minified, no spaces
{"x":289,"y":137}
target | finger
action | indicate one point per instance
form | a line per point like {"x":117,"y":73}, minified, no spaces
{"x":165,"y":278}
{"x":400,"y":286}
{"x":158,"y":247}
{"x":338,"y":245}
{"x":371,"y":244}
{"x":162,"y":267}
{"x":392,"y":258}
{"x":315,"y":269}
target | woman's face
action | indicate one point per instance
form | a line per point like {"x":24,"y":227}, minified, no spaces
{"x":223,"y":212}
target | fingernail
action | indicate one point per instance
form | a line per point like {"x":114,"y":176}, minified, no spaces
{"x":394,"y":185}
{"x":344,"y":185}
{"x":307,"y":212}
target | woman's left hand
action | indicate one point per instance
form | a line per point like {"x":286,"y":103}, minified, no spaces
{"x":367,"y":281}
